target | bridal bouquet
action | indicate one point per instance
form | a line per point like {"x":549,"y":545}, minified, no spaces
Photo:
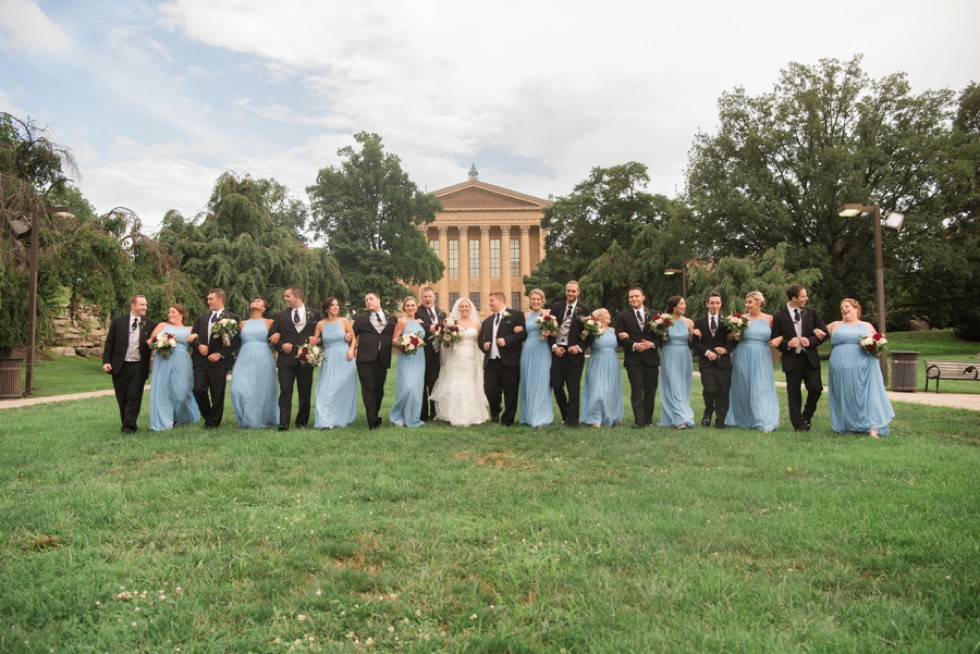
{"x":226,"y":328}
{"x":163,"y":344}
{"x":410,"y":343}
{"x":874,"y":344}
{"x":447,"y":333}
{"x":592,"y":326}
{"x":736,"y":323}
{"x":661,"y":324}
{"x":309,"y":355}
{"x":547,"y":325}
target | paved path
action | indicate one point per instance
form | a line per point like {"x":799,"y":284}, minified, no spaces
{"x":950,"y":400}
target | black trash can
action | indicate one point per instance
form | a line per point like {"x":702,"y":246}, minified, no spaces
{"x":905,"y":367}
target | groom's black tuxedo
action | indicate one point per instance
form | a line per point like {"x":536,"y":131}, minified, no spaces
{"x":211,"y":377}
{"x":291,"y":371}
{"x":373,"y":361}
{"x":502,"y":374}
{"x":716,"y":376}
{"x":642,"y":368}
{"x":566,"y":370}
{"x":800,"y":367}
{"x":432,"y":364}
{"x":128,"y":379}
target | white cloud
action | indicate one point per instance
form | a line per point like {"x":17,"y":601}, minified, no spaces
{"x":24,"y":27}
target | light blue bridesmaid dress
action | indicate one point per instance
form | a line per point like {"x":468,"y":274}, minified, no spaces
{"x":858,"y":400}
{"x":254,"y":390}
{"x":602,"y":392}
{"x":752,"y":400}
{"x":675,"y":378}
{"x":336,"y":388}
{"x":409,"y":383}
{"x":171,"y":385}
{"x":535,"y":391}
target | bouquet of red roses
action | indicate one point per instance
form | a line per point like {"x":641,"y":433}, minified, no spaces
{"x":660,"y":324}
{"x":874,"y":344}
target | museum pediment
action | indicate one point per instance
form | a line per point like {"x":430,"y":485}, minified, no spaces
{"x":474,"y":195}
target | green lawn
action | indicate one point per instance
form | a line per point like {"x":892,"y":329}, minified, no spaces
{"x":486,"y":539}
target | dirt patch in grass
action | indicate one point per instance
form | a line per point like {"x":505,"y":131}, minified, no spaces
{"x":495,"y":460}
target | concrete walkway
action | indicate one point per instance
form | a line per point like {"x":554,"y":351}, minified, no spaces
{"x":949,"y":400}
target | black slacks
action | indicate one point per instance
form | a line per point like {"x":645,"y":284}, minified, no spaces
{"x":302,"y":377}
{"x":643,"y":390}
{"x":128,"y":385}
{"x":802,"y":372}
{"x":566,"y":375}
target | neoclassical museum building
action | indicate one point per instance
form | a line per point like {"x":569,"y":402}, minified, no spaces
{"x":488,"y":237}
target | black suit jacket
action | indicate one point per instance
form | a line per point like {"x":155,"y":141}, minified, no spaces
{"x":117,"y":343}
{"x":423,"y":314}
{"x":626,"y":322}
{"x":510,"y":354}
{"x":782,"y":325}
{"x":283,"y":325}
{"x":370,"y":344}
{"x":202,"y":327}
{"x":709,"y":342}
{"x":575,"y":331}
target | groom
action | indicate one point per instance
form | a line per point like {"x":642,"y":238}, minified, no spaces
{"x":127,"y":358}
{"x":295,"y":327}
{"x":212,"y":360}
{"x":502,"y":337}
{"x":800,"y":330}
{"x":373,"y":329}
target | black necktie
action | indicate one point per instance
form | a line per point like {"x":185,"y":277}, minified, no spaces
{"x":639,"y":319}
{"x":568,"y":311}
{"x":432,"y":315}
{"x":714,"y":325}
{"x":496,"y":319}
{"x":214,"y":317}
{"x":295,"y":316}
{"x":796,"y":315}
{"x":136,"y":324}
{"x":378,"y":317}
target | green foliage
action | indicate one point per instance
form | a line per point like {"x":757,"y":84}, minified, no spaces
{"x":248,"y":244}
{"x":370,"y":213}
{"x":782,"y":163}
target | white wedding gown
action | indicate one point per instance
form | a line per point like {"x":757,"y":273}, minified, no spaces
{"x":458,"y":392}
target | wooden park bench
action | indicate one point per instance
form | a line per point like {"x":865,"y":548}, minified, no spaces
{"x":951,"y":370}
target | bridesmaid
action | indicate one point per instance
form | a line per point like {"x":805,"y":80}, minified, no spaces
{"x":752,"y":399}
{"x":676,"y":369}
{"x":410,"y":370}
{"x":535,"y":391}
{"x":254,"y":392}
{"x":858,"y":400}
{"x":172,"y":382}
{"x":602,"y":393}
{"x":336,"y":388}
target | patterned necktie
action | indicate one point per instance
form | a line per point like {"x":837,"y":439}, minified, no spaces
{"x":136,"y":324}
{"x":568,"y":311}
{"x":432,"y":315}
{"x":214,"y":317}
{"x":796,"y":315}
{"x":496,"y":319}
{"x":295,"y":316}
{"x":714,"y":325}
{"x":639,"y":318}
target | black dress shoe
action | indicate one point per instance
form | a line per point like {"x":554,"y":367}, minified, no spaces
{"x":377,"y":422}
{"x":805,"y":426}
{"x":283,"y":427}
{"x":128,"y":430}
{"x":706,"y":421}
{"x":494,"y":419}
{"x":719,"y":424}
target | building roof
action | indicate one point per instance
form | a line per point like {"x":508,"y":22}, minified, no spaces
{"x":474,"y":195}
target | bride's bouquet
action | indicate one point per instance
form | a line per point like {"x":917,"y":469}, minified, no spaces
{"x":660,"y":324}
{"x":874,"y":344}
{"x":547,"y":325}
{"x":309,"y":355}
{"x":226,"y":328}
{"x":447,"y":333}
{"x":736,"y":323}
{"x":409,"y":343}
{"x":163,"y":344}
{"x":591,"y":327}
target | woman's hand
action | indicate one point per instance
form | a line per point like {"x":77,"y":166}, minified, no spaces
{"x":274,"y":339}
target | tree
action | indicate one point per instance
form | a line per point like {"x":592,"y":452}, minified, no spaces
{"x":782,"y":163}
{"x":370,"y":213}
{"x":247,"y":243}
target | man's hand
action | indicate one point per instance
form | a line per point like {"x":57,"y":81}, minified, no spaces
{"x":287,"y":347}
{"x":710,"y":354}
{"x":501,"y":342}
{"x":202,"y":349}
{"x":559,"y":351}
{"x":214,"y":358}
{"x":486,"y":346}
{"x":106,"y":367}
{"x":575,"y":349}
{"x":720,"y":351}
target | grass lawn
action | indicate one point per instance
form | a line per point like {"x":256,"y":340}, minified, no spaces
{"x":487,"y":539}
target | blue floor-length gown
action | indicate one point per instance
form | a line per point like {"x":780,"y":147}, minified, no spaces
{"x":602,"y":392}
{"x":752,"y":400}
{"x":675,"y":378}
{"x":858,"y":400}
{"x":336,"y":388}
{"x":535,"y":391}
{"x":171,"y":385}
{"x":254,"y":390}
{"x":409,"y":383}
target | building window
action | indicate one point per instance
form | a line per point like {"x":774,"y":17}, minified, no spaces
{"x":434,"y":244}
{"x":515,"y":300}
{"x":495,"y":257}
{"x":452,"y":301}
{"x":515,"y":258}
{"x":475,"y":300}
{"x":454,"y":259}
{"x":474,"y":258}
{"x":436,"y":303}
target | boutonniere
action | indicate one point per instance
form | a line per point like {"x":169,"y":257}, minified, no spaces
{"x":506,"y":314}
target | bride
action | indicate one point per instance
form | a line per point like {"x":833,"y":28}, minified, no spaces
{"x":458,"y":392}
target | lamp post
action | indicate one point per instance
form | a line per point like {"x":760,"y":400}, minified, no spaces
{"x":32,"y":265}
{"x":683,"y":273}
{"x":893,"y":221}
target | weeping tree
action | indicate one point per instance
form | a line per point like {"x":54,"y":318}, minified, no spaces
{"x":248,"y":243}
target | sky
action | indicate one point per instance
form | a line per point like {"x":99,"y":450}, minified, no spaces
{"x":157,"y":99}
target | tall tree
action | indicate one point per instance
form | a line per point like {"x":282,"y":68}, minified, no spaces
{"x":782,"y":163}
{"x":370,"y":213}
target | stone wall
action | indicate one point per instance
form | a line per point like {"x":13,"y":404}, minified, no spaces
{"x":84,"y":336}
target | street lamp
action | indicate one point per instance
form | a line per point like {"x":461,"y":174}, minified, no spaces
{"x":683,"y":273}
{"x":32,"y":265}
{"x":894,"y":222}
